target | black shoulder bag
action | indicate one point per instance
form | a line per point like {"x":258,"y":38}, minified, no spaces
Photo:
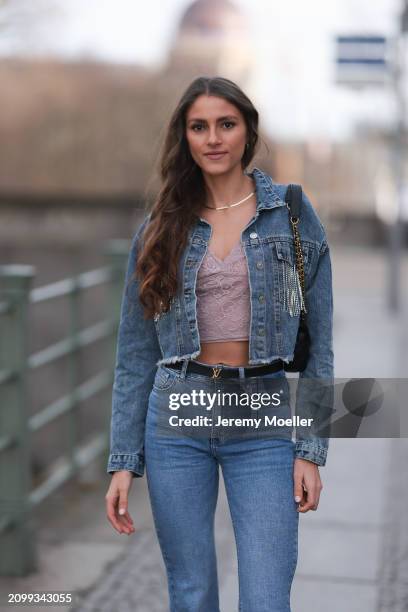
{"x":293,"y":201}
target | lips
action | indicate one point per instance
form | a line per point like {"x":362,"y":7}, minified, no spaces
{"x":215,"y":156}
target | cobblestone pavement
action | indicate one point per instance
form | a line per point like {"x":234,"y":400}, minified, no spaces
{"x":134,"y":582}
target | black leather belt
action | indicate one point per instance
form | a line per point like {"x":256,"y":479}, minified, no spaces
{"x":220,"y":372}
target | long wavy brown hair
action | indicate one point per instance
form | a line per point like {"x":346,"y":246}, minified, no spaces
{"x":182,"y":195}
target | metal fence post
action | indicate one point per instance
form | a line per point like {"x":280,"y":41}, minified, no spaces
{"x":116,"y":252}
{"x":74,"y":376}
{"x":17,"y":543}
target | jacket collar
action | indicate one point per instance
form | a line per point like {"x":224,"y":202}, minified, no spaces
{"x":267,"y":193}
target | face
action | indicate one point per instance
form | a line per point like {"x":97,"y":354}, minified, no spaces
{"x":216,"y":134}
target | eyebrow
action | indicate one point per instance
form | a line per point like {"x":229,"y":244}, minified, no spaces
{"x":219,"y":118}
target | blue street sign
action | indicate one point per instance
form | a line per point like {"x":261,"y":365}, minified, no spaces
{"x":362,"y":59}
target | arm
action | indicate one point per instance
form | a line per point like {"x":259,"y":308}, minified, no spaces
{"x":314,"y":397}
{"x":137,"y":353}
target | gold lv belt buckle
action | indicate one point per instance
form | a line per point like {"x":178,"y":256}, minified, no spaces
{"x":216,"y":372}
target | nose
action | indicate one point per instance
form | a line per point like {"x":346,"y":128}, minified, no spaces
{"x":213,"y":138}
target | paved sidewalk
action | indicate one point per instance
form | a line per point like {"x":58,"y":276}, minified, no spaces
{"x":353,"y":552}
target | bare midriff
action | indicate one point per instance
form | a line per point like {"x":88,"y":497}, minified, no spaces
{"x":233,"y":352}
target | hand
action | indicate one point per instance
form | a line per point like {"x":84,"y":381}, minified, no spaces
{"x":117,"y":499}
{"x":307,"y":484}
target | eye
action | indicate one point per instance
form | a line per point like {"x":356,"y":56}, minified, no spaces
{"x":200,"y":125}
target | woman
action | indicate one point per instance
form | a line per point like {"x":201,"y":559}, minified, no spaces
{"x":206,"y":308}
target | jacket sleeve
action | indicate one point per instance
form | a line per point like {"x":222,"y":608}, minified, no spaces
{"x":137,"y":353}
{"x":314,"y":394}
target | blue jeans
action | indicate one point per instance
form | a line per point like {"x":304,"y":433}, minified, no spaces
{"x":182,"y":474}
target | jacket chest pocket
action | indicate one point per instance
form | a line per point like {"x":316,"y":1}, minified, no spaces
{"x":290,"y":293}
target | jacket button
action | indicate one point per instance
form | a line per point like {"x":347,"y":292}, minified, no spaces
{"x":259,"y":265}
{"x":261,"y":331}
{"x":261,"y":297}
{"x":253,"y":235}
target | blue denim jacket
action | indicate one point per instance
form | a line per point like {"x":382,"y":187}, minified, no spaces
{"x":267,"y":241}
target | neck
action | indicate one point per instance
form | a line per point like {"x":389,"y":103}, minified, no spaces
{"x":227,"y":188}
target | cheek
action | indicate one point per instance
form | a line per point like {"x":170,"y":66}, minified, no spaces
{"x":194,"y":145}
{"x":237,"y":140}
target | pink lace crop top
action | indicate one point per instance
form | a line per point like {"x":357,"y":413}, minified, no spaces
{"x":223,"y":298}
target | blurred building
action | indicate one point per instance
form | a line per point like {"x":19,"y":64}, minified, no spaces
{"x":213,"y":35}
{"x":93,"y":128}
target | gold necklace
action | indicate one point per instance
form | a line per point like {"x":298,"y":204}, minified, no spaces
{"x":231,"y":205}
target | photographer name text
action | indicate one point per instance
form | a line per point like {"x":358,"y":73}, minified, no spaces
{"x":267,"y":421}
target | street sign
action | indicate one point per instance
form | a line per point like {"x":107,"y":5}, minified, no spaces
{"x":362,"y":59}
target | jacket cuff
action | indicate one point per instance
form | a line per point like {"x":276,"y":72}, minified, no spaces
{"x":311,"y":451}
{"x":126,"y":461}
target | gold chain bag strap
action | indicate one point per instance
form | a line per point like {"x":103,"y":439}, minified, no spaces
{"x":293,"y":201}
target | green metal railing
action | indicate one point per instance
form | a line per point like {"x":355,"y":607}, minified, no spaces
{"x":18,"y":498}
